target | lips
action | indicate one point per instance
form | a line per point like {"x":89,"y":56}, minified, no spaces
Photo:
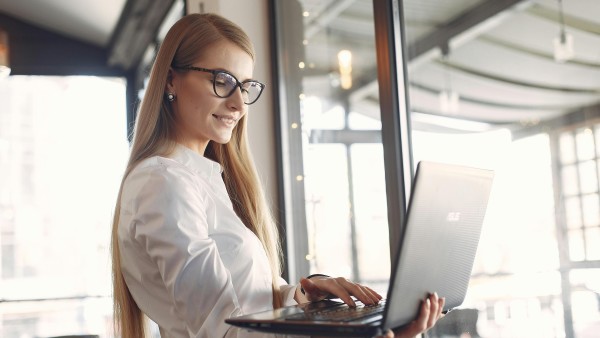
{"x":229,"y":120}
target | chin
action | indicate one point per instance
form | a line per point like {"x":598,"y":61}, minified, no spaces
{"x":222,"y":140}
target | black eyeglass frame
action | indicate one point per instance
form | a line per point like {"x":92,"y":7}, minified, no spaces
{"x":239,"y":84}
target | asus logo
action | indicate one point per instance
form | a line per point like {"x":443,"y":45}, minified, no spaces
{"x":453,"y":216}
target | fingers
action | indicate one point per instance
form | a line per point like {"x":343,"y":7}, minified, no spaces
{"x":312,"y":292}
{"x":419,"y":325}
{"x":363,"y":293}
{"x":320,"y":288}
{"x":374,"y":294}
{"x":442,"y":302}
{"x":429,"y":313}
{"x":424,"y":314}
{"x":434,"y":309}
{"x":389,"y":334}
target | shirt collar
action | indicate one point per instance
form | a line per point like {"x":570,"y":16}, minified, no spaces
{"x":195,"y":161}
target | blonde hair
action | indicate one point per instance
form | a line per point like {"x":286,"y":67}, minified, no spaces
{"x":155,"y":134}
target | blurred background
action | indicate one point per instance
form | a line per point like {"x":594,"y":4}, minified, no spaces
{"x":509,"y":85}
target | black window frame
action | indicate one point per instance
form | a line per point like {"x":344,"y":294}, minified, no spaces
{"x":395,"y":133}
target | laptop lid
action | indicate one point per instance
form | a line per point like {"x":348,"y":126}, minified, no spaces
{"x":443,"y":225}
{"x":436,"y":253}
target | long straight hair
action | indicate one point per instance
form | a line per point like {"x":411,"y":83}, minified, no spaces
{"x":155,"y":134}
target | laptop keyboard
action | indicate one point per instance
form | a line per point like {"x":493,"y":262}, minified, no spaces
{"x":341,"y":313}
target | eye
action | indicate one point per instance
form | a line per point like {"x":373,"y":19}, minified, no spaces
{"x":225,"y":80}
{"x":221,"y":80}
{"x":250,"y":86}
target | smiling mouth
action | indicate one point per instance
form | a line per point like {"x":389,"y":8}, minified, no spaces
{"x":226,"y":119}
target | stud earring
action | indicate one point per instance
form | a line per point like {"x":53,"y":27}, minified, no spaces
{"x":170,"y":97}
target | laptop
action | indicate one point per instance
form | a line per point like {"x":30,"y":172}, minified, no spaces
{"x":438,"y":245}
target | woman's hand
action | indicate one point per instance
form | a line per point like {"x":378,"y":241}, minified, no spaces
{"x":319,"y":288}
{"x":429,"y":313}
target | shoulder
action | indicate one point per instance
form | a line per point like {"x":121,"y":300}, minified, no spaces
{"x":158,"y":164}
{"x":160,"y":167}
{"x":159,"y":175}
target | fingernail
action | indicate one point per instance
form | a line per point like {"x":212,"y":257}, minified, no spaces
{"x":428,"y":302}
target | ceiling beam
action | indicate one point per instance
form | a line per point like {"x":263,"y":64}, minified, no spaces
{"x":459,"y":25}
{"x":583,"y":117}
{"x":324,"y":18}
{"x":440,"y":38}
{"x":136,"y":30}
{"x":571,"y":21}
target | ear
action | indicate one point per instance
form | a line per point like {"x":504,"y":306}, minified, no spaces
{"x":171,"y":80}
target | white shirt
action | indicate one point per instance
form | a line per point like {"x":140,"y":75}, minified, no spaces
{"x":188,"y":260}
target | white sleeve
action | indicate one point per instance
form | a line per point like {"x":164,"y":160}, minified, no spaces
{"x":287,"y":292}
{"x":171,"y":224}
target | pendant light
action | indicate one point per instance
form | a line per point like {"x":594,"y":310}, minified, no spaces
{"x":563,"y":43}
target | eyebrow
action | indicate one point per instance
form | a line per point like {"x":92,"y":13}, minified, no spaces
{"x":228,"y":72}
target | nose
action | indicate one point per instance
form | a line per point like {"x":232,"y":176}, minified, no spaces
{"x":235,"y":101}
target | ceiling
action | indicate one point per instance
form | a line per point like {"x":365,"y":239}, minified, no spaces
{"x":91,"y":21}
{"x":498,"y":59}
{"x":122,"y":30}
{"x":499,"y":53}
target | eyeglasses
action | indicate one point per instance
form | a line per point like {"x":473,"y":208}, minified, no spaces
{"x":224,"y":84}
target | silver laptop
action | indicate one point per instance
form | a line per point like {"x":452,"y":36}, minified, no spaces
{"x":440,"y":237}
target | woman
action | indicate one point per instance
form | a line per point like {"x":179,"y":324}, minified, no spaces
{"x":193,"y":240}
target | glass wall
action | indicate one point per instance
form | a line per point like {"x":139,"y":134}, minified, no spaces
{"x":513,"y":88}
{"x":63,"y":149}
{"x":331,"y":128}
{"x":510,"y":86}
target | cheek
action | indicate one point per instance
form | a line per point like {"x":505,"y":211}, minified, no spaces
{"x":194,"y":107}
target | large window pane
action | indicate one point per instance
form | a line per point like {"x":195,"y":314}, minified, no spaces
{"x":371,"y":223}
{"x":586,"y":300}
{"x":572,"y":212}
{"x":485,"y":91}
{"x":328,"y":62}
{"x":592,"y":244}
{"x":328,"y":209}
{"x":481,"y":69}
{"x":567,"y":148}
{"x":570,"y":180}
{"x":585,"y":144}
{"x":591,"y":210}
{"x":587,"y":177}
{"x":63,"y":149}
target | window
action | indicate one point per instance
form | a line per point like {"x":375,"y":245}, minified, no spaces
{"x":484,"y":90}
{"x":335,"y":167}
{"x":63,"y":149}
{"x":487,"y":96}
{"x":579,"y":164}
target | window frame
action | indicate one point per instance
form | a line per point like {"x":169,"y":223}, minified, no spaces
{"x":395,"y":133}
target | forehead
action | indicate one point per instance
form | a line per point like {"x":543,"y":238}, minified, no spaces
{"x":227,"y":56}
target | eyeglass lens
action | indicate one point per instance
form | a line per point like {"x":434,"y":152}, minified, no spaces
{"x":225,"y":84}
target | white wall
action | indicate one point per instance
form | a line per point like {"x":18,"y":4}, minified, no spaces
{"x":253,"y":17}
